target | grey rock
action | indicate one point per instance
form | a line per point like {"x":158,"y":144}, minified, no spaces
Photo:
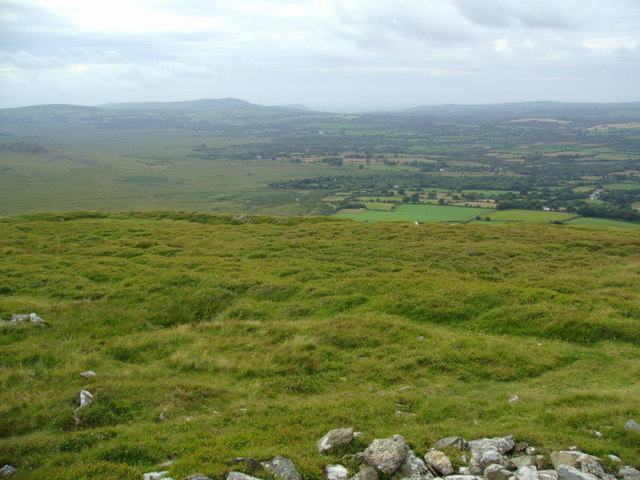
{"x":455,"y":442}
{"x":22,"y":318}
{"x":614,"y":458}
{"x":197,"y":476}
{"x":542,"y":462}
{"x":412,"y":468}
{"x":629,"y":473}
{"x":386,"y":454}
{"x":85,"y":398}
{"x":7,"y":471}
{"x":524,"y":461}
{"x":282,"y":468}
{"x":547,"y":475}
{"x":520,"y":447}
{"x":501,"y":445}
{"x":155,"y":476}
{"x":530,"y":450}
{"x":565,"y":457}
{"x":439,"y":462}
{"x":514,"y":399}
{"x":591,"y":464}
{"x":88,"y":374}
{"x":338,"y":437}
{"x":632,"y":426}
{"x":367,"y":473}
{"x":527,"y":473}
{"x":463,"y":471}
{"x":240,"y":476}
{"x":335,"y":472}
{"x":565,"y":472}
{"x":489,"y":457}
{"x":496,"y":472}
{"x":463,"y":477}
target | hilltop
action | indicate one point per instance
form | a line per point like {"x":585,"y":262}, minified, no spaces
{"x":214,"y":337}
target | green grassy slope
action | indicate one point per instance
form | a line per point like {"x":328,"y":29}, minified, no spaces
{"x":308,"y":324}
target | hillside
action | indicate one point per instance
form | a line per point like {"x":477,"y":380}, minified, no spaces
{"x":214,"y":337}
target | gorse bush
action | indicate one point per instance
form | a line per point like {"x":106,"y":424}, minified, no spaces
{"x":214,"y":338}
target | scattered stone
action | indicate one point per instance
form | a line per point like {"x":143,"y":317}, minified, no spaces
{"x":497,"y":472}
{"x":85,"y":399}
{"x":629,"y":473}
{"x":547,"y":475}
{"x":282,"y":468}
{"x":357,"y":434}
{"x":514,"y":399}
{"x":463,"y":471}
{"x":456,"y":442}
{"x":386,"y":454}
{"x":632,"y":426}
{"x":253,"y":464}
{"x":463,"y":477}
{"x":161,"y":417}
{"x":155,"y":476}
{"x":597,"y":433}
{"x":334,"y":472}
{"x":87,"y":374}
{"x":566,"y":472}
{"x":167,"y":464}
{"x":339,"y":437}
{"x":614,"y":458}
{"x":527,"y":473}
{"x":31,"y":372}
{"x":412,"y":468}
{"x":489,"y":457}
{"x":240,"y":476}
{"x":22,"y":318}
{"x":420,"y":338}
{"x":501,"y":445}
{"x":7,"y":471}
{"x":565,"y":458}
{"x":591,"y":464}
{"x":197,"y":476}
{"x":367,"y":473}
{"x":524,"y":461}
{"x":530,"y":450}
{"x":400,"y":413}
{"x":439,"y":462}
{"x":520,"y":447}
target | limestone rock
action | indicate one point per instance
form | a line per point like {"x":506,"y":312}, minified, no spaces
{"x":566,"y":472}
{"x":523,"y":461}
{"x":591,"y":464}
{"x":501,"y":445}
{"x":565,"y":457}
{"x":496,"y":472}
{"x":463,"y":471}
{"x":335,"y":472}
{"x":367,"y":473}
{"x":197,"y":476}
{"x":489,"y":457}
{"x":412,"y":468}
{"x":88,"y":374}
{"x":527,"y":473}
{"x":629,"y":473}
{"x":463,"y":477}
{"x":85,"y":398}
{"x":22,"y":318}
{"x":632,"y":426}
{"x":338,"y":437}
{"x":386,"y":454}
{"x":448,"y":442}
{"x":7,"y":471}
{"x":282,"y":468}
{"x":240,"y":476}
{"x":547,"y":475}
{"x":440,"y":463}
{"x":614,"y":458}
{"x":155,"y":476}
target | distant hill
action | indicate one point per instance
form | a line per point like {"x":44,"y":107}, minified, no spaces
{"x":185,"y":106}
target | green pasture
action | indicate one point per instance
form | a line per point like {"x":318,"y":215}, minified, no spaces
{"x":622,"y":186}
{"x":419,"y":213}
{"x":529,"y":216}
{"x":385,"y":207}
{"x":601,"y":222}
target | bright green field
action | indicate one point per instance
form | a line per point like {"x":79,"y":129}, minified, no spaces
{"x":602,"y":222}
{"x":254,"y":339}
{"x":529,"y":216}
{"x":419,"y":213}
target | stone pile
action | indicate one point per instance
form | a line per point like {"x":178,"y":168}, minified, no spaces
{"x":500,"y":458}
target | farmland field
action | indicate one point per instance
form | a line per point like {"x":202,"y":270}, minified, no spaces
{"x":601,"y":222}
{"x":529,"y":216}
{"x":419,"y":213}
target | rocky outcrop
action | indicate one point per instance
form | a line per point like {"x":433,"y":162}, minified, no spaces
{"x":23,"y":319}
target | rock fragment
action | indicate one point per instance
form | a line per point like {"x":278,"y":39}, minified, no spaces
{"x":386,"y":454}
{"x":88,"y":374}
{"x":367,"y":473}
{"x":85,"y":398}
{"x":439,"y":462}
{"x":565,"y":472}
{"x":497,"y":472}
{"x":197,"y":476}
{"x":282,"y":468}
{"x":565,"y":457}
{"x":449,"y":442}
{"x":413,"y":468}
{"x":240,"y":476}
{"x":8,"y":470}
{"x":527,"y":473}
{"x":338,"y":437}
{"x":629,"y":473}
{"x":632,"y":426}
{"x":156,"y":476}
{"x":335,"y":472}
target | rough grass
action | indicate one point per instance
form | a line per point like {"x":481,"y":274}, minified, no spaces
{"x":254,"y":339}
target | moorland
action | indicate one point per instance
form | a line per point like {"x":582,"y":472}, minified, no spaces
{"x":194,"y":257}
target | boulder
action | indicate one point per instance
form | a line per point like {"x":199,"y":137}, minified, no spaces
{"x":412,"y":468}
{"x":496,"y":472}
{"x":501,"y":445}
{"x":591,"y":464}
{"x":367,"y":473}
{"x":386,"y":454}
{"x":197,"y":476}
{"x":7,"y":471}
{"x":335,"y":472}
{"x":524,"y":461}
{"x":632,"y":426}
{"x":338,"y":437}
{"x":527,"y":473}
{"x":439,"y":462}
{"x":629,"y":473}
{"x":565,"y":457}
{"x":489,"y":457}
{"x":449,"y":442}
{"x":282,"y":468}
{"x":240,"y":476}
{"x":566,"y":472}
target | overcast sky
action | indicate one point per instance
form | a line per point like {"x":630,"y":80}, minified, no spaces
{"x":340,"y":55}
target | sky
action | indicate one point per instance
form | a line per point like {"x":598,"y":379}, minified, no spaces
{"x":331,"y":55}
